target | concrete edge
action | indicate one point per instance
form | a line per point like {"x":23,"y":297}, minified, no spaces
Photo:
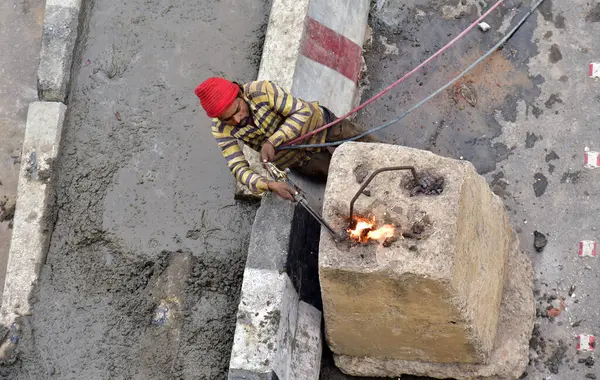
{"x":279,"y":63}
{"x":281,"y":48}
{"x":308,"y":343}
{"x":34,"y":217}
{"x":59,"y":36}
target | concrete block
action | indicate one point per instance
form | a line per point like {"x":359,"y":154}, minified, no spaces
{"x":265,"y":327}
{"x":434,"y":294}
{"x":270,"y":236}
{"x":60,"y":30}
{"x":34,"y":216}
{"x":510,"y":355}
{"x":308,"y":346}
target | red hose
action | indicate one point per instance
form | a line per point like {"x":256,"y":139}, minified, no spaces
{"x":387,"y":89}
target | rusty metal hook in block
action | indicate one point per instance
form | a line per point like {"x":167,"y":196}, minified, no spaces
{"x":388,"y":169}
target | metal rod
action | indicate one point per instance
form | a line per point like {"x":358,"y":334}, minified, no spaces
{"x":319,"y":218}
{"x":301,"y":200}
{"x":364,"y":185}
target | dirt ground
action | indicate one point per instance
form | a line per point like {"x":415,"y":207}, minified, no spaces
{"x":21,"y":32}
{"x":146,"y":215}
{"x":536,"y":112}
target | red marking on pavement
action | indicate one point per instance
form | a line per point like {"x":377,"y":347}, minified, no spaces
{"x":331,"y":49}
{"x":592,"y":160}
{"x":586,"y":343}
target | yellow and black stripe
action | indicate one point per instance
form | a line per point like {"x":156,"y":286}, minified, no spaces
{"x":280,"y":117}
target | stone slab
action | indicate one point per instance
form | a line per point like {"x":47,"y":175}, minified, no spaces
{"x":510,"y":355}
{"x":34,"y":216}
{"x":434,"y":297}
{"x":265,"y":326}
{"x":276,"y":275}
{"x":60,"y":30}
{"x":308,"y":345}
{"x":33,"y":219}
{"x":270,"y":236}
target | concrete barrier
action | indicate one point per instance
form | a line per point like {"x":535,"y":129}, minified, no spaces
{"x":429,"y":301}
{"x":313,"y":49}
{"x":34,"y":215}
{"x":61,"y":24}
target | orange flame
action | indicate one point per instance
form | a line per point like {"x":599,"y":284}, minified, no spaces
{"x":364,"y":230}
{"x":383,"y":232}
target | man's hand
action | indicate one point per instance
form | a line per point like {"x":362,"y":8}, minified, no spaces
{"x":267,"y":153}
{"x":282,"y":189}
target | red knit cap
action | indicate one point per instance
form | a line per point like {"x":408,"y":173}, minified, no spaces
{"x":216,"y":95}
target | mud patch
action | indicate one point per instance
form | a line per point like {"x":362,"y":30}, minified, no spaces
{"x":552,"y":156}
{"x":589,"y":361}
{"x":499,"y":185}
{"x":537,"y":342}
{"x":255,"y":49}
{"x":559,"y":21}
{"x":470,"y":124}
{"x":555,"y":55}
{"x":555,"y":361}
{"x":594,"y":14}
{"x":540,"y":184}
{"x":553,"y":99}
{"x":531,"y":139}
{"x":571,"y":177}
{"x":539,"y":241}
{"x":502,"y":151}
{"x":494,"y":79}
{"x":546,"y":10}
{"x":7,"y":209}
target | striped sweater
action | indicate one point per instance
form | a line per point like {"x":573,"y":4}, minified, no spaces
{"x":280,"y":117}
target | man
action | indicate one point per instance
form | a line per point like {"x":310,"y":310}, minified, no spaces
{"x":264,"y":116}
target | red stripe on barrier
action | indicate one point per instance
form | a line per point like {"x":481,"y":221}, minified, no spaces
{"x":331,"y":49}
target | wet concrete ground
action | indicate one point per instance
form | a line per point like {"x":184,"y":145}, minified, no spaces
{"x":145,"y":201}
{"x":20,"y":35}
{"x":146,"y":215}
{"x":536,"y":111}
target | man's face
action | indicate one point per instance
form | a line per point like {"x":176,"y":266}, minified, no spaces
{"x":238,"y":114}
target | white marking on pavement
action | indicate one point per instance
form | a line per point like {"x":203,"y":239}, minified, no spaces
{"x":595,"y":70}
{"x":587,"y":248}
